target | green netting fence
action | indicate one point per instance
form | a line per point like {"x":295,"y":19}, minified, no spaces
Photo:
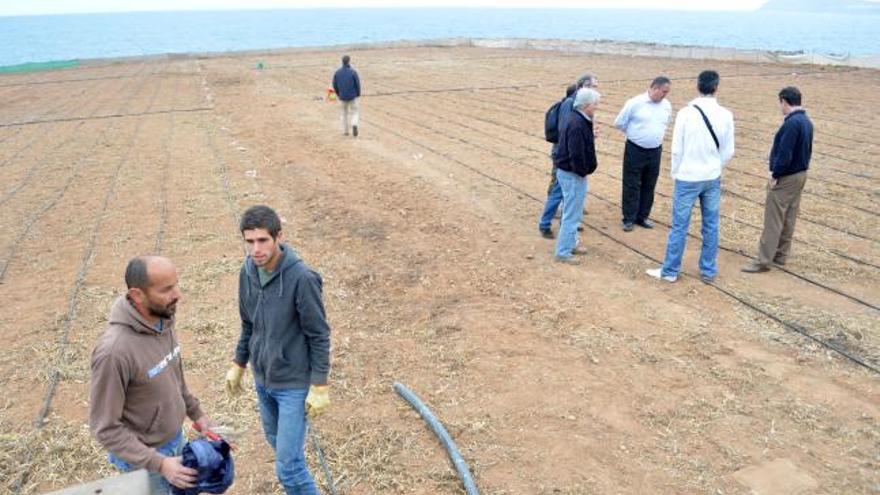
{"x":39,"y":66}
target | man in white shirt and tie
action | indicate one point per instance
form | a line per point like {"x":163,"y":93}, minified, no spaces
{"x":702,"y":144}
{"x":643,"y":119}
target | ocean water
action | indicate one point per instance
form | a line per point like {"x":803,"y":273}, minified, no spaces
{"x":63,"y":37}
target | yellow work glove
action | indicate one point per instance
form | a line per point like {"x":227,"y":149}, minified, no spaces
{"x":233,"y":379}
{"x":317,"y":401}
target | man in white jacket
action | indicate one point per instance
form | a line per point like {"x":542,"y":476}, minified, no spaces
{"x":702,"y":144}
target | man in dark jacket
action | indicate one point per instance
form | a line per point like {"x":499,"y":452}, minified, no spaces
{"x":575,"y":158}
{"x":285,"y":336}
{"x":347,"y":86}
{"x":789,"y":161}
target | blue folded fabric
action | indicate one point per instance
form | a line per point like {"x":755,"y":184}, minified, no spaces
{"x":213,"y":461}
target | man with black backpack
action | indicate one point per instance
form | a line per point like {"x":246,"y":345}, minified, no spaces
{"x":555,"y":120}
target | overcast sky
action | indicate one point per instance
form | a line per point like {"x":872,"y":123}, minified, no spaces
{"x":36,"y":7}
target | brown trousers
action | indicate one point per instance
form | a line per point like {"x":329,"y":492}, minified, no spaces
{"x":780,"y":213}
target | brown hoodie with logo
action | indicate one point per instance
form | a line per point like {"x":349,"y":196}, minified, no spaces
{"x":138,"y":396}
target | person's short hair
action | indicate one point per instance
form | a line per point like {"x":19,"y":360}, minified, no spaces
{"x":660,"y":81}
{"x":346,"y":59}
{"x":588,"y":80}
{"x":790,"y":95}
{"x":261,"y":217}
{"x":707,"y":82}
{"x":586,"y":96}
{"x":570,"y":90}
{"x":136,"y":276}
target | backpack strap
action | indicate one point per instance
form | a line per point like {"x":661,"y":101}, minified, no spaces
{"x":709,"y":125}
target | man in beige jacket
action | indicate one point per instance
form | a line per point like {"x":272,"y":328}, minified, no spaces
{"x":138,"y":396}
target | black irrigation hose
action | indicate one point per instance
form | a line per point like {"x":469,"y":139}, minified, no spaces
{"x":163,"y":181}
{"x":10,"y":193}
{"x":29,"y":224}
{"x":760,"y":155}
{"x":542,"y":153}
{"x":110,"y":116}
{"x":61,"y":81}
{"x":791,"y":326}
{"x":519,"y":104}
{"x":85,"y":266}
{"x":743,"y":172}
{"x":725,"y":248}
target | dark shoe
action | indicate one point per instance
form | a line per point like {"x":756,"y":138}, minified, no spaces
{"x":707,"y":279}
{"x":754,"y":267}
{"x":568,"y":260}
{"x":779,"y":261}
{"x":627,"y":226}
{"x":354,"y":131}
{"x":645,"y":224}
{"x":546,"y":233}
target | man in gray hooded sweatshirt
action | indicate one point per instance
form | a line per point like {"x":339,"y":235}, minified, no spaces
{"x":285,"y":336}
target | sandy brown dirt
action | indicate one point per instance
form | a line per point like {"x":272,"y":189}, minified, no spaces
{"x":552,"y":379}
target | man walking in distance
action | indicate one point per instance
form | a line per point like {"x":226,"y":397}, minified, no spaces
{"x":789,"y":161}
{"x":554,"y":192}
{"x":702,"y":144}
{"x":643,"y":119}
{"x":574,"y":160}
{"x":285,"y":336}
{"x":138,"y":396}
{"x":347,"y":86}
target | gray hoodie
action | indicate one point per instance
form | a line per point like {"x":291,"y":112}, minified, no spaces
{"x":284,"y":331}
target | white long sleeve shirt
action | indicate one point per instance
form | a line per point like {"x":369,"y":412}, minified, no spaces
{"x":644,"y":121}
{"x":694,"y":154}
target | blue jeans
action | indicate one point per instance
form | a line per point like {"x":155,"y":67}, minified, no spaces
{"x":554,"y":197}
{"x":683,"y":199}
{"x":283,"y":411}
{"x":158,"y":484}
{"x":574,"y":193}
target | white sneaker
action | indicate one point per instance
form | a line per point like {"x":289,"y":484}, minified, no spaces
{"x":658,"y":274}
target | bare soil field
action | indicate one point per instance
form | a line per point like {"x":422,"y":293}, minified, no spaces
{"x":552,"y":379}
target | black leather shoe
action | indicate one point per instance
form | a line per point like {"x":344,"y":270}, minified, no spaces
{"x":354,"y":131}
{"x":646,"y":223}
{"x":627,"y":226}
{"x":547,"y":233}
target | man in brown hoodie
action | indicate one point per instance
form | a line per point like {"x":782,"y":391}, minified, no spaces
{"x":138,"y":396}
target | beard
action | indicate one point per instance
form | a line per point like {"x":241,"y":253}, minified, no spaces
{"x":166,"y":312}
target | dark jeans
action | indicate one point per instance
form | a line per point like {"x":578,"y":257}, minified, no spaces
{"x":641,"y":167}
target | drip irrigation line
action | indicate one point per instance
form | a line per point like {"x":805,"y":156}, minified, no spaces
{"x":10,"y":193}
{"x":759,"y":153}
{"x":728,"y":249}
{"x":163,"y":180}
{"x":744,"y":172}
{"x":734,"y":169}
{"x":70,"y":316}
{"x":786,"y":324}
{"x":62,"y":81}
{"x":313,"y":435}
{"x":110,"y":116}
{"x":44,"y":132}
{"x":806,"y":219}
{"x":29,"y":224}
